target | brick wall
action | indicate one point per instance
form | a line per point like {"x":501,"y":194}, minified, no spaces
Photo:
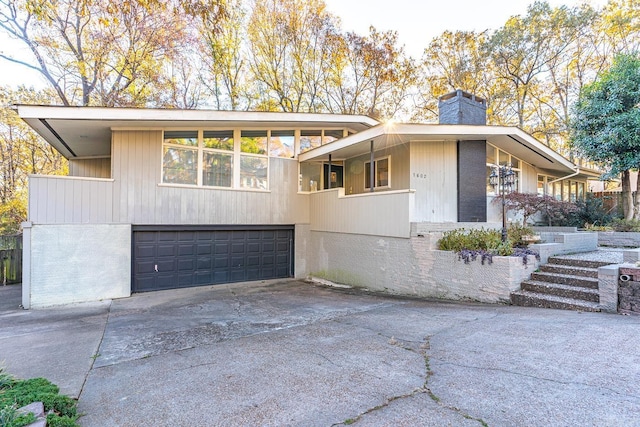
{"x":412,"y":267}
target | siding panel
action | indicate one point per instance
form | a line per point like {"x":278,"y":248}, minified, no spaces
{"x":434,"y":177}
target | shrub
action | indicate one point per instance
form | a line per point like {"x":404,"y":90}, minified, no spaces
{"x":469,"y":244}
{"x":625,"y":225}
{"x":517,"y":231}
{"x":473,"y":239}
{"x":16,"y":393}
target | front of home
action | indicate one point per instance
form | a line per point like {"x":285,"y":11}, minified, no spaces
{"x":161,"y":199}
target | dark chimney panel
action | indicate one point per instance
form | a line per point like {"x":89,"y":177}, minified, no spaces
{"x":462,"y":108}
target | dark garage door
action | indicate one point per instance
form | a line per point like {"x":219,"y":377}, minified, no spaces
{"x":179,"y":257}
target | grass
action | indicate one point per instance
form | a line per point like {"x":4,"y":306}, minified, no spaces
{"x":15,"y":393}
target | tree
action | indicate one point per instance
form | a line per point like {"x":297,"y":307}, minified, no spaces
{"x":22,"y":152}
{"x":290,"y":44}
{"x":606,"y":124}
{"x":98,"y":52}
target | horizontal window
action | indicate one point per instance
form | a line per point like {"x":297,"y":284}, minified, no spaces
{"x":282,"y":143}
{"x":180,"y":166}
{"x":253,"y":141}
{"x":380,"y":173}
{"x":189,"y":137}
{"x":254,"y":172}
{"x":217,"y":169}
{"x":218,"y":139}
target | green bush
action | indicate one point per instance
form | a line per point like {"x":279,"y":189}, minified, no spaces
{"x":17,"y":393}
{"x":517,"y":231}
{"x":469,"y":244}
{"x":625,"y":225}
{"x":472,"y":239}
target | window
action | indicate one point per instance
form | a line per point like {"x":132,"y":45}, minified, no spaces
{"x":180,"y":158}
{"x":253,"y":172}
{"x":282,"y":143}
{"x":253,"y":141}
{"x":380,"y":172}
{"x":198,"y":158}
{"x":497,"y":157}
{"x":310,"y":139}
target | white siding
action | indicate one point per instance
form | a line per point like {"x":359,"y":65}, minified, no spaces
{"x":68,"y":200}
{"x":354,"y":170}
{"x":385,"y":213}
{"x":434,"y":177}
{"x":135,"y":195}
{"x":90,"y":168}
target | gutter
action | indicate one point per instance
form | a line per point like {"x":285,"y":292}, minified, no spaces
{"x":577,"y":172}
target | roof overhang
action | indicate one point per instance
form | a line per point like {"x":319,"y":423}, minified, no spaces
{"x":510,"y":139}
{"x":86,"y":131}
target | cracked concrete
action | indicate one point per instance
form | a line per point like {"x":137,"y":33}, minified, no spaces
{"x":291,"y":353}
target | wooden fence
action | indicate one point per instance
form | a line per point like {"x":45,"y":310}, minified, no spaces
{"x":10,"y":259}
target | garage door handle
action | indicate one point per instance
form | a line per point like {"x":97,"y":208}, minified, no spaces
{"x":156,"y":268}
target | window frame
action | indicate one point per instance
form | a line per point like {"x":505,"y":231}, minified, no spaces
{"x":375,"y":172}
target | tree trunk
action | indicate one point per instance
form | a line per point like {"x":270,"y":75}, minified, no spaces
{"x":627,"y":200}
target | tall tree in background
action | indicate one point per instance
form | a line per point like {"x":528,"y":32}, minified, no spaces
{"x":225,"y":71}
{"x":290,"y":44}
{"x":606,"y":127}
{"x":22,"y":153}
{"x":523,"y":49}
{"x":370,"y":75}
{"x":98,"y":52}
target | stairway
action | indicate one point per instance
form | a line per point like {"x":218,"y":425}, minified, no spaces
{"x":564,"y":283}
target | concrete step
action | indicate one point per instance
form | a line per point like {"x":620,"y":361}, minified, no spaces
{"x":533,"y":299}
{"x":570,"y":269}
{"x":565,"y":291}
{"x":565,"y":279}
{"x":577,"y":262}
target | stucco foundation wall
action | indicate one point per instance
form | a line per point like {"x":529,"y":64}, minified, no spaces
{"x":301,"y":250}
{"x":619,"y":239}
{"x":78,"y":263}
{"x":412,"y":267}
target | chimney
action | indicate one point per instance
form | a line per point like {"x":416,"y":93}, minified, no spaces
{"x":462,"y":108}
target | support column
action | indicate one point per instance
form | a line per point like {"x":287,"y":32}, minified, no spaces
{"x":372,"y":167}
{"x":329,"y":174}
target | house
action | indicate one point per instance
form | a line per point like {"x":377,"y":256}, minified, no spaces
{"x":160,"y":199}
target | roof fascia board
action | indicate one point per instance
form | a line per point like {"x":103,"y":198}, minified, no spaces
{"x":140,"y":114}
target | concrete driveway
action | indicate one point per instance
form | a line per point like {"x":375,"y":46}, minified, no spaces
{"x":296,"y":354}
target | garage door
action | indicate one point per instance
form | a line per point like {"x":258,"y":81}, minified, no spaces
{"x":179,"y":257}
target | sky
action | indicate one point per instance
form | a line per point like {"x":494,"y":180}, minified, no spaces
{"x":419,"y":21}
{"x":416,"y":21}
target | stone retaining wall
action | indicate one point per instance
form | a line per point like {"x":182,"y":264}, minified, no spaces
{"x":626,"y":239}
{"x":629,"y":297}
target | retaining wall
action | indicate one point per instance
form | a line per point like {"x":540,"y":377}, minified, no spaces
{"x":621,"y":239}
{"x":413,"y":267}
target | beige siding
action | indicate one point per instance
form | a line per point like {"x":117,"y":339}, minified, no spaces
{"x":434,"y":177}
{"x":529,"y":178}
{"x":90,"y":168}
{"x":67,"y":200}
{"x":354,"y":170}
{"x":381,"y":214}
{"x":136,"y":196}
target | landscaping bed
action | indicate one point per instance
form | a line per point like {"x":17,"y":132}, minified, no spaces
{"x":18,"y":396}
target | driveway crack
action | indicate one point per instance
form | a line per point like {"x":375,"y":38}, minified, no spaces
{"x":421,"y":350}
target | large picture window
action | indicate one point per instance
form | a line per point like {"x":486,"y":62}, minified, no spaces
{"x":381,"y":173}
{"x":180,"y":158}
{"x":198,"y":158}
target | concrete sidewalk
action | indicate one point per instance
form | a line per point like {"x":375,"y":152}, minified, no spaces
{"x":291,"y":353}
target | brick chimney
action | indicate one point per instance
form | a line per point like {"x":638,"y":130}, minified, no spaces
{"x":462,"y":108}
